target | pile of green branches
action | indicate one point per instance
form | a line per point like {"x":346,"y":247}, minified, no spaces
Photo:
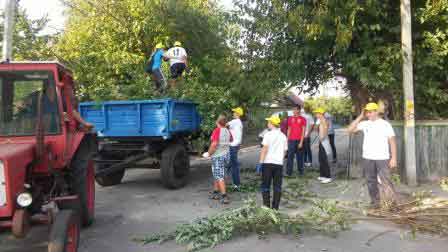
{"x":251,"y":184}
{"x":324,"y":217}
{"x":296,"y":190}
{"x":422,"y":212}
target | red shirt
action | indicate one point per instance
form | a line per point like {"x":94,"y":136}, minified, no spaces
{"x":296,"y":125}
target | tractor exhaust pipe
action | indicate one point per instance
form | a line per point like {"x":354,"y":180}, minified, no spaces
{"x":40,"y":127}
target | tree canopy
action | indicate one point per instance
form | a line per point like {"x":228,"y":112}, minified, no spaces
{"x":251,"y":56}
{"x":314,"y":40}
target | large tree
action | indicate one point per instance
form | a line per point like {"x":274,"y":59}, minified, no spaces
{"x":107,"y":44}
{"x":313,"y":40}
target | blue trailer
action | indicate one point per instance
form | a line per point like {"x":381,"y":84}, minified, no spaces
{"x":153,"y":134}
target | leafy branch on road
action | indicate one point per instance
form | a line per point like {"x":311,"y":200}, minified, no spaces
{"x":324,"y":217}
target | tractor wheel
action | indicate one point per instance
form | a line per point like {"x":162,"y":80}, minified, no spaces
{"x":175,"y":166}
{"x":110,"y":179}
{"x":64,"y":234}
{"x":83,"y":183}
{"x":21,"y":223}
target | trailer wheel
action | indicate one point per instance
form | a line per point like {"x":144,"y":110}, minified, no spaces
{"x":110,"y":179}
{"x":21,"y":223}
{"x":64,"y":234}
{"x":175,"y":166}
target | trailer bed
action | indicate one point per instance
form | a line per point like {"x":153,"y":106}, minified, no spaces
{"x":163,"y":118}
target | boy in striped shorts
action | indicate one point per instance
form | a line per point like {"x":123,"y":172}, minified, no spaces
{"x":219,"y":152}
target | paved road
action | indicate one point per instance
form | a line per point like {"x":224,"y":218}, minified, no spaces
{"x":140,"y":205}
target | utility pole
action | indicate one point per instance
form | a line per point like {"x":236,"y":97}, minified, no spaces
{"x":408,"y":88}
{"x":9,"y":20}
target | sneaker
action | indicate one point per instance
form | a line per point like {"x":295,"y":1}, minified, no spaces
{"x":214,"y":195}
{"x":308,"y":164}
{"x":236,"y":188}
{"x":326,"y":180}
{"x":320,"y":178}
{"x":225,"y":199}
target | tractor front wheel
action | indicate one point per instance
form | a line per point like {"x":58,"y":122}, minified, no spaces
{"x":175,"y":166}
{"x":21,"y":223}
{"x":64,"y":234}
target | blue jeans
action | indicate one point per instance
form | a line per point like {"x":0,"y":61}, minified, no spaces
{"x":308,"y":155}
{"x":293,"y":150}
{"x":235,"y":165}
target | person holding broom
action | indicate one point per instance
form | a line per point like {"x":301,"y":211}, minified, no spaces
{"x":379,"y":150}
{"x":324,"y":146}
{"x":272,"y":156}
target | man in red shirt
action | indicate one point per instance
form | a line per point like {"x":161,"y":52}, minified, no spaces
{"x":296,"y":135}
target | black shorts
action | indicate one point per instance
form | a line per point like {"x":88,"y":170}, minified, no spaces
{"x":158,"y":78}
{"x":177,"y":70}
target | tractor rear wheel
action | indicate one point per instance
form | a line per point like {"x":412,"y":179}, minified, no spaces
{"x":83,"y":184}
{"x":64,"y":234}
{"x":175,"y":166}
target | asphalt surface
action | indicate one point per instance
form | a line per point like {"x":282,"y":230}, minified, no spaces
{"x":141,"y":206}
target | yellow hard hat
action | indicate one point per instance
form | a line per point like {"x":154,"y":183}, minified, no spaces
{"x":160,"y":46}
{"x":177,"y":43}
{"x":275,"y":120}
{"x":319,"y":111}
{"x":371,"y":106}
{"x":238,"y":110}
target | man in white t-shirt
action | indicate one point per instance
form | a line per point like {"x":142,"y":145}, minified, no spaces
{"x":275,"y":145}
{"x":379,"y":149}
{"x":236,"y":128}
{"x":178,"y":62}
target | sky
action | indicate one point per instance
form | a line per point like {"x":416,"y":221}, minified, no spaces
{"x":55,"y":11}
{"x":38,"y":8}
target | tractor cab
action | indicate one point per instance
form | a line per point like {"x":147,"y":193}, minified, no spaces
{"x":45,"y":158}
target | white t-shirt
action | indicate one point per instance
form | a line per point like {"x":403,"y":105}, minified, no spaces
{"x":277,"y":146}
{"x":376,"y":139}
{"x":309,"y":122}
{"x":236,"y":128}
{"x":177,"y":54}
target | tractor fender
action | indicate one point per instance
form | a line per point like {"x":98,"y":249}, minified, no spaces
{"x":83,"y":142}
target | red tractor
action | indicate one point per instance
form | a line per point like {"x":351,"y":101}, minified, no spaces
{"x":46,"y":167}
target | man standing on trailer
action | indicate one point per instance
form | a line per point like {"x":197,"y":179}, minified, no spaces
{"x":177,"y":56}
{"x":154,"y":67}
{"x":379,"y":150}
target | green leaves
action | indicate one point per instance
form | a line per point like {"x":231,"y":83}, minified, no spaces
{"x":325,"y":216}
{"x":360,"y":40}
{"x":29,"y":44}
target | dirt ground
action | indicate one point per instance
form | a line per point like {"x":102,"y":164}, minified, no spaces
{"x":141,"y":206}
